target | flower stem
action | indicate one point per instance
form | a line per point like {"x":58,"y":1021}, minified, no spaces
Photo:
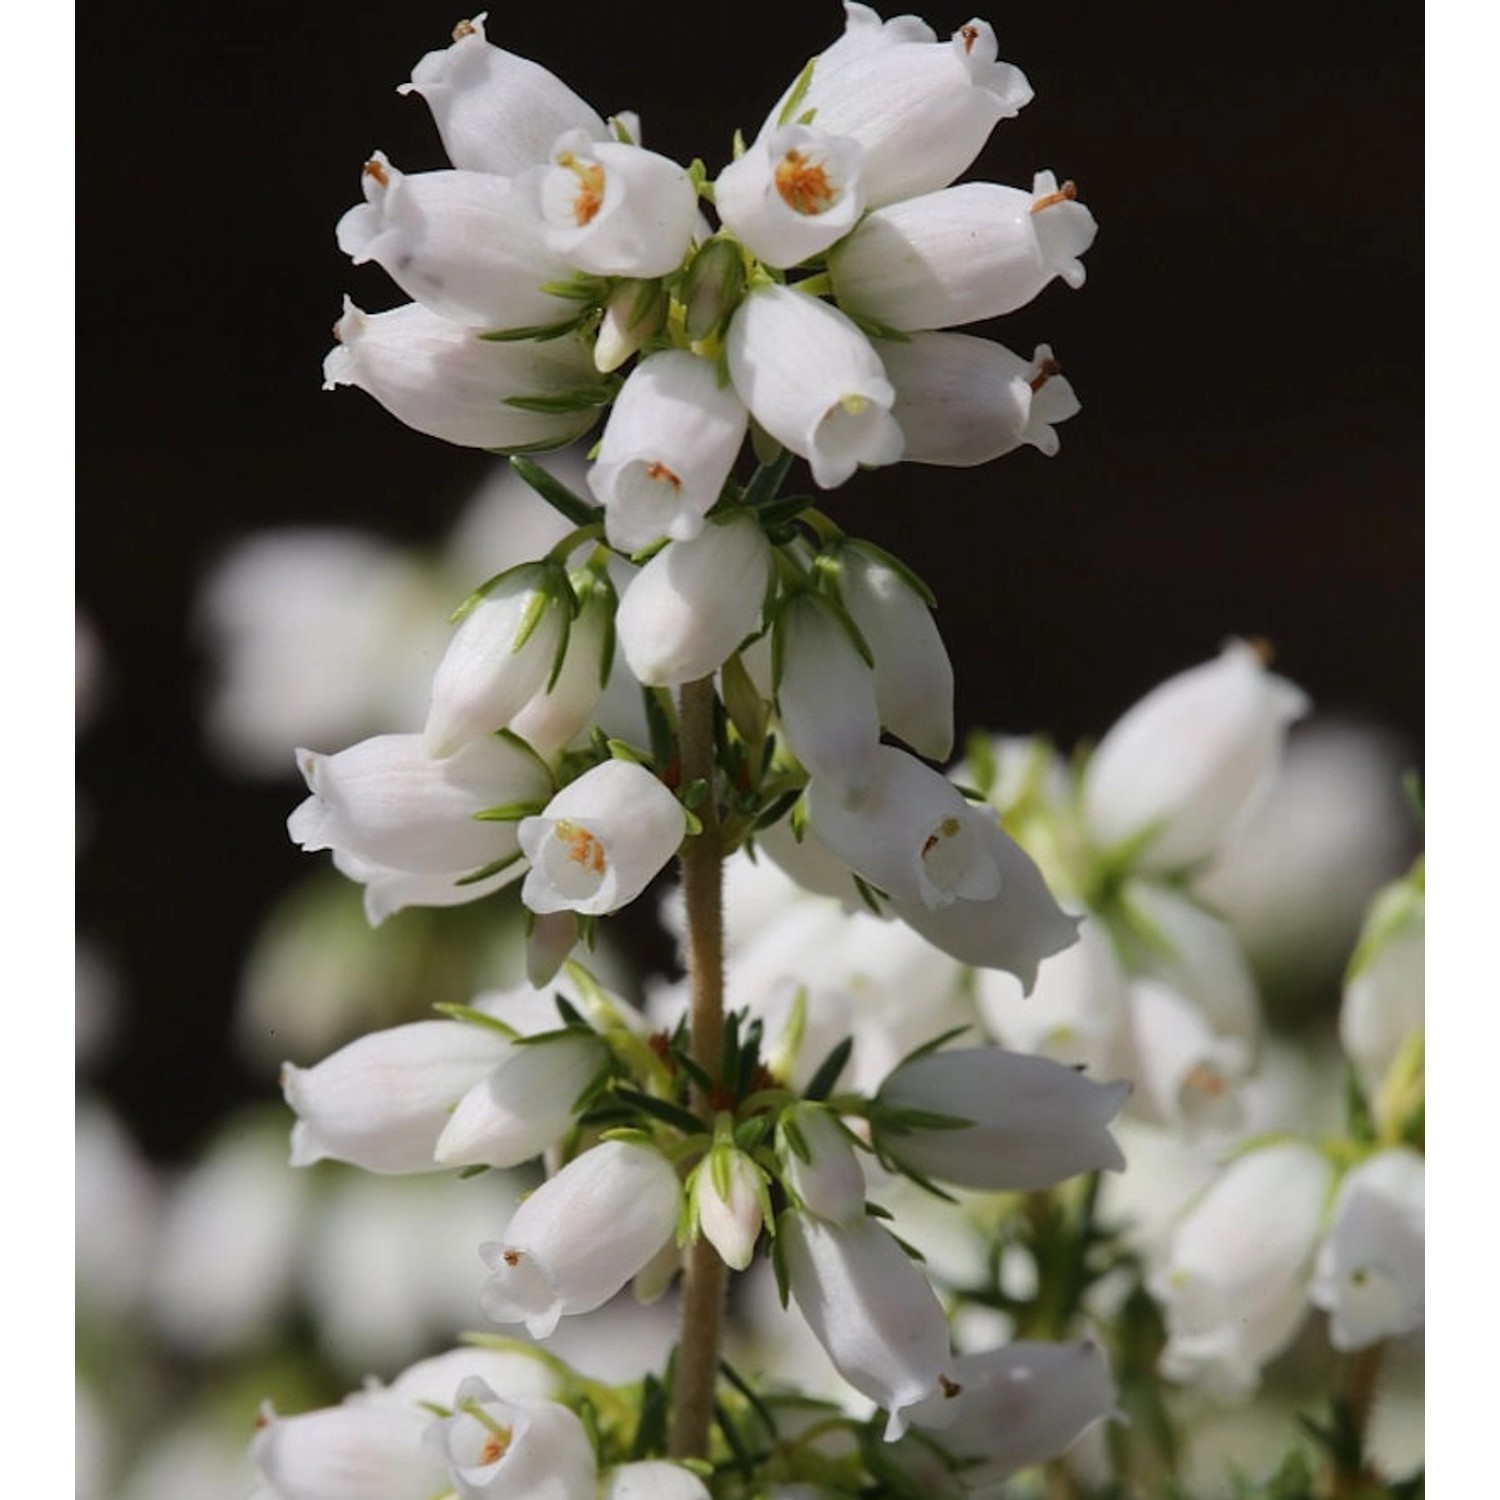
{"x":704,"y":1273}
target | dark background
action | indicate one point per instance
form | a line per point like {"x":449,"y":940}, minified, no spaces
{"x":1247,"y":350}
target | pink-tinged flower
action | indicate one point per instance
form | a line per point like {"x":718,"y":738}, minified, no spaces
{"x":599,"y":841}
{"x":581,"y":1236}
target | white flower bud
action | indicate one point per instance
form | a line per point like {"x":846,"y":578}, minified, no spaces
{"x":633,"y":312}
{"x":581,"y":1236}
{"x":1371,"y":1271}
{"x":813,"y":381}
{"x":871,"y":1308}
{"x":654,"y":1479}
{"x":600,"y":840}
{"x":671,"y":440}
{"x":384,"y":802}
{"x":363,"y":1450}
{"x":712,"y":287}
{"x":499,"y":658}
{"x":1190,"y":759}
{"x":694,"y":602}
{"x":921,"y":108}
{"x":522,"y":1105}
{"x":819,"y":1164}
{"x":496,"y":112}
{"x":1018,"y":1405}
{"x":460,"y":243}
{"x":825,"y":694}
{"x":913,"y":676}
{"x":383,"y":1101}
{"x":974,"y":251}
{"x":727,"y":1193}
{"x":517,"y":1449}
{"x":792,"y":194}
{"x":1233,"y":1287}
{"x":555,"y":715}
{"x":1034,"y":1122}
{"x":612,"y":209}
{"x":963,"y":401}
{"x":443,"y":379}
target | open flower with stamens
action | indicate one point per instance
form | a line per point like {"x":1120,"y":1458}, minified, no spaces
{"x":672,"y":438}
{"x":599,"y":841}
{"x":921,"y":108}
{"x":969,"y":252}
{"x":497,"y":112}
{"x":612,"y":209}
{"x":581,"y":1236}
{"x":792,"y":194}
{"x":463,"y":244}
{"x":963,"y":401}
{"x":504,"y":1449}
{"x":813,"y":381}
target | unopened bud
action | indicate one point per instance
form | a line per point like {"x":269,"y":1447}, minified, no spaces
{"x":712,"y":288}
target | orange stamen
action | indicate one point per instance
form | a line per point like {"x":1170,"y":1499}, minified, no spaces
{"x":1065,"y":194}
{"x":495,"y":1447}
{"x":659,"y":471}
{"x":970,"y":34}
{"x":590,"y":196}
{"x":463,"y":29}
{"x":1044,"y":372}
{"x":377,"y":170}
{"x":583,"y":848}
{"x":803,"y":184}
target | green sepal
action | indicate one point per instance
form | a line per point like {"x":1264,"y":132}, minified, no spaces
{"x":800,"y":85}
{"x":828,"y":1071}
{"x":929,"y":1047}
{"x":493,"y":868}
{"x":586,"y":398}
{"x":908,"y":575}
{"x":540,"y":333}
{"x":574,"y":507}
{"x":510,"y":812}
{"x":472,"y":1017}
{"x":477,"y":1170}
{"x":675,"y":1115}
{"x":579,"y":288}
{"x":871,"y":895}
{"x":873,"y":329}
{"x":767,"y":480}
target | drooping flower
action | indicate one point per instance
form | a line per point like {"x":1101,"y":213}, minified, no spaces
{"x":1033,"y":1123}
{"x":813,"y":381}
{"x":819,"y":1165}
{"x":581,"y":1236}
{"x":599,"y":841}
{"x":974,"y":251}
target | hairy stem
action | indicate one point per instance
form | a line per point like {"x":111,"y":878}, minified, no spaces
{"x":703,"y":894}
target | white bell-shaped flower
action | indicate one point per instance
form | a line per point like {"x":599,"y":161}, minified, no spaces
{"x":1187,"y":1075}
{"x":362,"y":1450}
{"x":671,"y":440}
{"x":500,"y":657}
{"x":496,"y":112}
{"x":978,"y":250}
{"x":914,"y":836}
{"x":523,"y":1104}
{"x":694,"y":602}
{"x":1018,"y":1405}
{"x":1233,"y":1285}
{"x":561,"y":709}
{"x":814,"y":382}
{"x":871,"y":1308}
{"x":460,"y":243}
{"x":385,"y":802}
{"x":612,"y":209}
{"x":792,"y":193}
{"x":443,"y":379}
{"x":728,"y":1197}
{"x":963,"y":401}
{"x":1370,"y":1274}
{"x":599,"y":841}
{"x":652,"y":1479}
{"x":819,"y":1164}
{"x":1385,"y":993}
{"x":913,"y":675}
{"x":383,"y":1101}
{"x":1190,"y":759}
{"x":1074,"y":1012}
{"x":581,"y":1236}
{"x":1034,"y":1122}
{"x":825,"y":695}
{"x":520,"y":1448}
{"x":921,"y":108}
